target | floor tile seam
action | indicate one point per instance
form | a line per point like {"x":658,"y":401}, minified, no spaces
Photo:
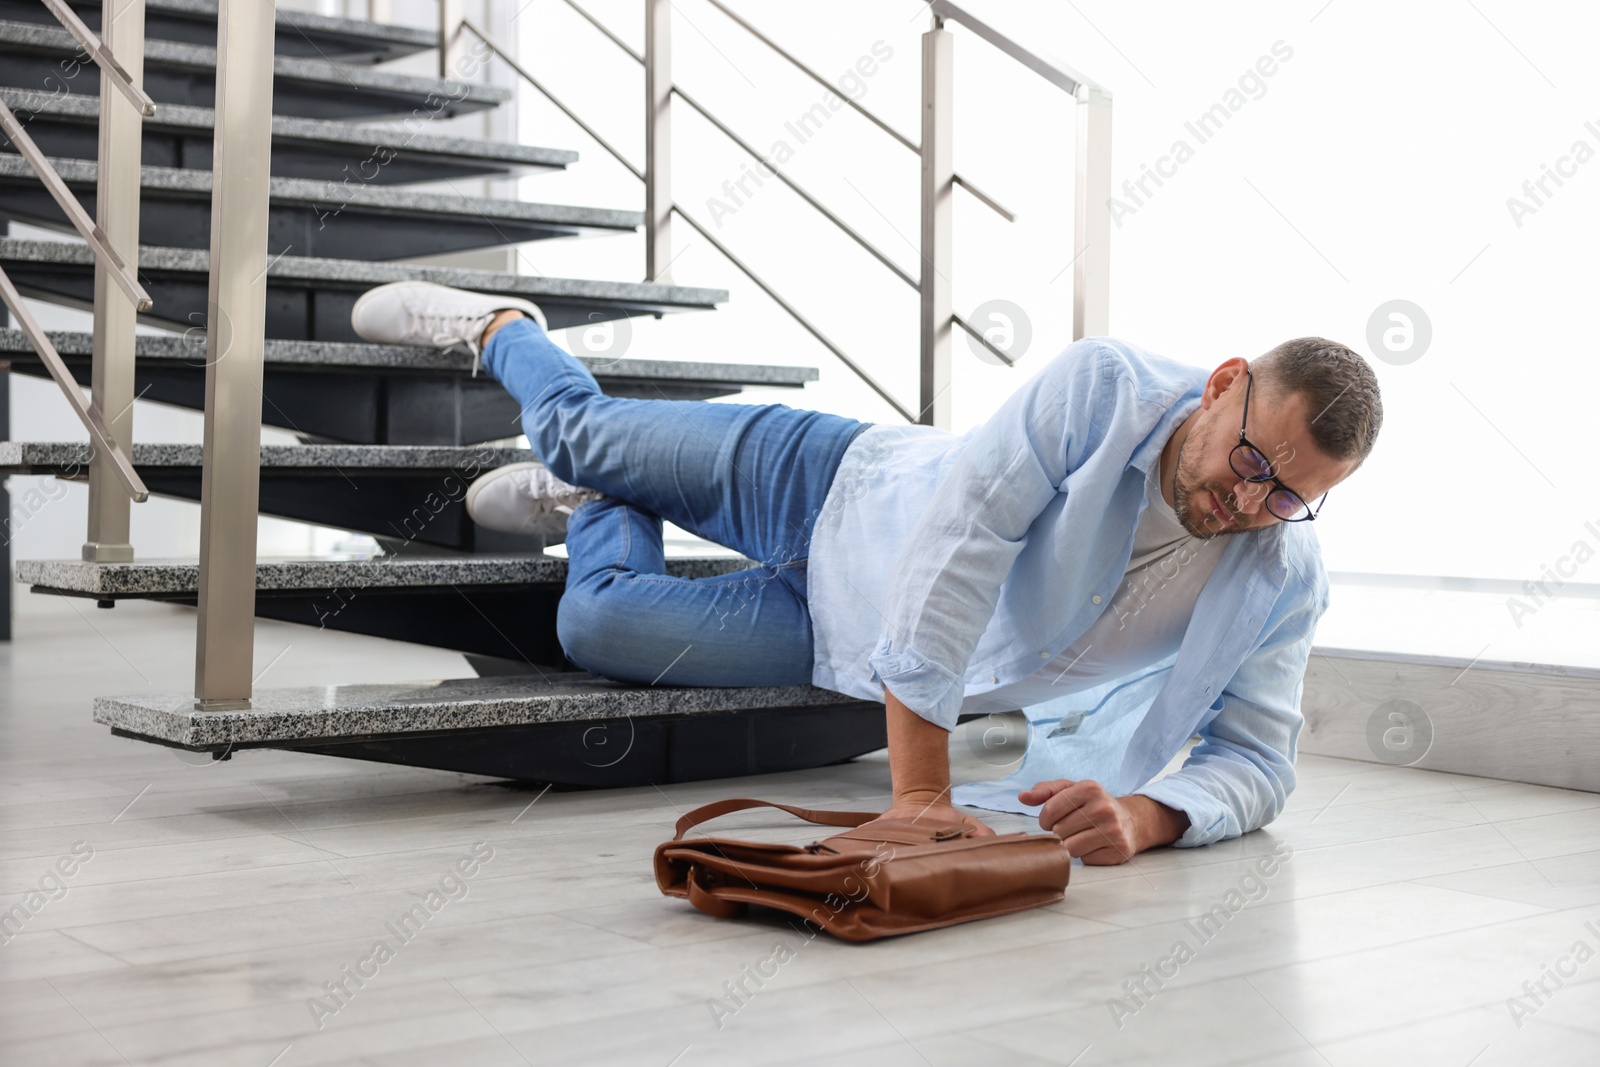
{"x":64,"y":932}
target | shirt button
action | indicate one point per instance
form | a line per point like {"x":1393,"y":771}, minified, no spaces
{"x":1044,"y":655}
{"x":1097,"y":599}
{"x":994,"y":678}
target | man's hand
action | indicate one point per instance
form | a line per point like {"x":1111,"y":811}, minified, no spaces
{"x":935,"y":810}
{"x":1099,"y":828}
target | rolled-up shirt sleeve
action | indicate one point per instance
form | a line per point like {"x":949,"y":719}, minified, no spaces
{"x":1238,"y":776}
{"x":947,"y":577}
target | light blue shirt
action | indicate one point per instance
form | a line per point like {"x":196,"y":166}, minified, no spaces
{"x":945,"y":567}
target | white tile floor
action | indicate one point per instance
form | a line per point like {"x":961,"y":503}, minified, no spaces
{"x":219,"y":898}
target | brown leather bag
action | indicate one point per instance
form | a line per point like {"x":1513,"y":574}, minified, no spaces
{"x":896,"y":877}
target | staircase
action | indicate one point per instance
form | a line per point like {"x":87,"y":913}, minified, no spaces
{"x":382,"y":428}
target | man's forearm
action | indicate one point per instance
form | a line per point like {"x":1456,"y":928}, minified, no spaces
{"x":919,"y":752}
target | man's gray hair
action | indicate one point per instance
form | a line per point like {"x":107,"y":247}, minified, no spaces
{"x":1340,"y":388}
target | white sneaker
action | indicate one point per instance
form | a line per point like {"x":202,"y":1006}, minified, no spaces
{"x":426,"y":313}
{"x":525,"y":498}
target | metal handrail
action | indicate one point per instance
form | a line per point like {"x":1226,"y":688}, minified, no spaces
{"x":706,"y":114}
{"x":87,"y":413}
{"x":1041,"y":63}
{"x":1093,"y":186}
{"x":86,"y":227}
{"x":102,"y":56}
{"x":805,"y":323}
{"x":984,"y":197}
{"x":1090,"y":299}
{"x":678,"y":210}
{"x":805,"y":195}
{"x":812,"y":200}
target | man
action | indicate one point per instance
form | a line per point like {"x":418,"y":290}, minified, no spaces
{"x":1066,"y":546}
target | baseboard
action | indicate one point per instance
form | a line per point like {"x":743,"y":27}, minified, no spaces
{"x":1523,"y":722}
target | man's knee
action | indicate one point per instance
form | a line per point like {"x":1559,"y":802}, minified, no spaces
{"x":591,"y":636}
{"x":557,"y":433}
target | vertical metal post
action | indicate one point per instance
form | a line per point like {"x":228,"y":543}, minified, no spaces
{"x":657,"y":140}
{"x":236,"y":314}
{"x":496,"y":123}
{"x":117,"y":213}
{"x":1091,"y":272}
{"x":7,"y":531}
{"x":938,"y":189}
{"x":449,"y":37}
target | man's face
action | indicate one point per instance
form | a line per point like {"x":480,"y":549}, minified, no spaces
{"x":1207,"y":482}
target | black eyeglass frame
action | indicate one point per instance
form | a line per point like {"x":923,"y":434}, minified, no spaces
{"x":1270,"y":476}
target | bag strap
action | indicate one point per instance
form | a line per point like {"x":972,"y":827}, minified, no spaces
{"x":707,"y":812}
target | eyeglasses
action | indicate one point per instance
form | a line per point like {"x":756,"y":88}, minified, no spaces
{"x":1252,"y":465}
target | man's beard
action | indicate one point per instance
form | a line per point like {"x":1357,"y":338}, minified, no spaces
{"x":1203,"y":526}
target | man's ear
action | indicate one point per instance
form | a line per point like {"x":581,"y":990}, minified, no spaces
{"x":1227,"y":374}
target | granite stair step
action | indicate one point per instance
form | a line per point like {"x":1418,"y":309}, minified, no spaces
{"x":501,"y":605}
{"x":562,"y":727}
{"x":388,"y":394}
{"x":407,"y":495}
{"x":310,"y":299}
{"x":33,"y":56}
{"x":377,"y":394}
{"x":300,"y":33}
{"x":331,"y":220}
{"x":178,"y":135}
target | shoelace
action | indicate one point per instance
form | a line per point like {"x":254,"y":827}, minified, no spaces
{"x":450,"y":328}
{"x":558,"y":496}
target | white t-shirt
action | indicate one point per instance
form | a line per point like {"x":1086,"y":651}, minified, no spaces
{"x":1144,"y":622}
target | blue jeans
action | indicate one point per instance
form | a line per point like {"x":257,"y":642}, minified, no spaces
{"x":751,"y":477}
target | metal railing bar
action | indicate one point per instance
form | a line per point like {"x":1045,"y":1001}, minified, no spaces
{"x":564,"y":109}
{"x":790,"y":182}
{"x":706,"y":114}
{"x":87,"y":227}
{"x":801,"y":319}
{"x":614,"y":39}
{"x":1046,"y":66}
{"x":87,"y":413}
{"x":982,"y":340}
{"x":987,"y":200}
{"x":813,"y":75}
{"x":102,"y":56}
{"x":984,"y":198}
{"x":718,"y":245}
